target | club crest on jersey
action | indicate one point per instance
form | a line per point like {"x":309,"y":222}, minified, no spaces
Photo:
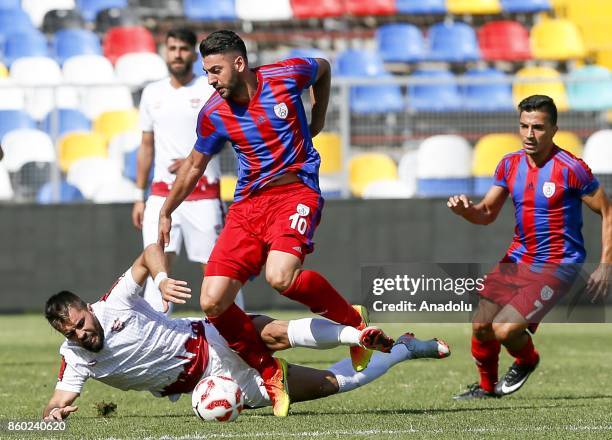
{"x":303,"y":210}
{"x":546,"y":293}
{"x":548,"y":189}
{"x":195,"y":102}
{"x":281,"y":110}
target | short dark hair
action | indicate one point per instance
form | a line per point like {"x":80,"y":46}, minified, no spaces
{"x":183,"y":34}
{"x":542,"y":103}
{"x":223,"y":41}
{"x":56,"y":308}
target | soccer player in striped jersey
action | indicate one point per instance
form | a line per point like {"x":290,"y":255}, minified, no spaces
{"x":277,"y":205}
{"x":548,"y":186}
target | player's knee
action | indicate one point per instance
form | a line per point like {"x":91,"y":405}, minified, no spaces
{"x":505,"y":332}
{"x":482,"y":331}
{"x":280,"y":280}
{"x":211,"y":307}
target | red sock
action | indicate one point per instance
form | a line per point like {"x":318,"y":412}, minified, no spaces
{"x":315,"y":292}
{"x":527,"y":355}
{"x":242,"y":337}
{"x":486,"y":355}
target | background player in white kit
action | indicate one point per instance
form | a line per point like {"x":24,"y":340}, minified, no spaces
{"x":168,"y":115}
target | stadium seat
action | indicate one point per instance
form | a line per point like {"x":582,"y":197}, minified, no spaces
{"x":98,"y":100}
{"x":90,"y":174}
{"x":593,"y":18}
{"x":407,"y":169}
{"x":359,"y":63}
{"x":121,"y":190}
{"x":556,"y":40}
{"x":24,"y":44}
{"x":307,"y":52}
{"x":13,"y":21}
{"x":370,"y":7}
{"x":569,"y":141}
{"x":598,"y":152}
{"x":209,"y":10}
{"x":590,"y":88}
{"x":329,"y":146}
{"x":115,"y":17}
{"x":317,"y":8}
{"x":473,"y":7}
{"x":10,"y":4}
{"x":489,"y":150}
{"x":444,"y":166}
{"x":604,"y":58}
{"x":525,"y":6}
{"x":14,"y":119}
{"x":57,"y":19}
{"x":90,"y":8}
{"x":331,"y":187}
{"x":504,"y":40}
{"x":6,"y":189}
{"x":12,"y":96}
{"x":109,"y":124}
{"x":387,"y":189}
{"x":37,"y":9}
{"x":131,"y":39}
{"x":453,"y":42}
{"x":401,"y":42}
{"x":418,"y":7}
{"x":68,"y":120}
{"x":122,"y":144}
{"x":129,"y":165}
{"x":28,"y":179}
{"x":137,"y":69}
{"x":441,"y":94}
{"x":26,"y":145}
{"x":3,"y":71}
{"x":67,"y":194}
{"x":228,"y":186}
{"x":78,"y":145}
{"x":367,"y":168}
{"x":72,"y":42}
{"x":553,"y":88}
{"x":263,"y":10}
{"x":88,"y":69}
{"x":490,"y":90}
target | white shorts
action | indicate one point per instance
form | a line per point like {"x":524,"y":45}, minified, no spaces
{"x":197,"y":223}
{"x":223,"y":361}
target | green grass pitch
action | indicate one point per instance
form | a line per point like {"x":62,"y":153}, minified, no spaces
{"x":569,"y":396}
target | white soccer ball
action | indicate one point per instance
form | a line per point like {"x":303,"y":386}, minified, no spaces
{"x":217,"y":398}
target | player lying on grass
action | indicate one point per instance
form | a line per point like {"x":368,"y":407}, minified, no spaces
{"x":121,"y":341}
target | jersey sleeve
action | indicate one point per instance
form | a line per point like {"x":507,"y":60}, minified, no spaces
{"x":124,"y":292}
{"x":500,"y":176}
{"x":302,"y":70}
{"x":581,"y":178}
{"x":209,"y":140}
{"x":70,"y":378}
{"x":144,"y":111}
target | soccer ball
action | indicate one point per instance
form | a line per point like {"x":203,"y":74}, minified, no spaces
{"x":217,"y":398}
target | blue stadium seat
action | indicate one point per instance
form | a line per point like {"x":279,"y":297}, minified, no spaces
{"x":442,"y":94}
{"x":129,"y":166}
{"x":482,"y":185}
{"x":421,"y":6}
{"x":487,"y":96}
{"x":209,"y":10}
{"x":526,"y":6}
{"x":14,"y":20}
{"x":307,"y":52}
{"x":443,"y":187}
{"x":90,"y":8}
{"x":71,"y":42}
{"x":453,"y":42}
{"x":401,"y":42}
{"x":69,"y":119}
{"x":67,"y":194}
{"x":13,"y":119}
{"x":355,"y":62}
{"x":10,"y":4}
{"x":24,"y":44}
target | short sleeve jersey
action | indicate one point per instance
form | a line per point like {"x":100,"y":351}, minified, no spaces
{"x":270,"y":135}
{"x":547,"y":206}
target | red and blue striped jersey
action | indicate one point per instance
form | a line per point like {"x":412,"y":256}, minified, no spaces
{"x":547,"y":206}
{"x":270,"y":135}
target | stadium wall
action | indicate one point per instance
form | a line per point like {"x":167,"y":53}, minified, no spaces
{"x":83,"y":248}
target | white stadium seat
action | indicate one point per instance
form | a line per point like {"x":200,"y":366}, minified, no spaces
{"x":37,"y":9}
{"x":137,"y":69}
{"x":26,"y":145}
{"x":121,"y":144}
{"x":12,"y":97}
{"x":6,"y":189}
{"x":598,"y":152}
{"x":263,"y":10}
{"x":388,"y":189}
{"x":90,"y":174}
{"x":88,"y":69}
{"x":97,"y":100}
{"x":34,"y":73}
{"x":407,"y":169}
{"x":117,"y":191}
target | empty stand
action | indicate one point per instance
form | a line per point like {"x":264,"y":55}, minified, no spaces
{"x":400,"y":42}
{"x":569,"y":141}
{"x":453,"y":42}
{"x":473,"y":7}
{"x":24,"y":44}
{"x":504,"y":40}
{"x":525,"y":6}
{"x":598,"y":152}
{"x":120,"y":190}
{"x":370,"y":167}
{"x":440,"y":92}
{"x":418,"y":7}
{"x":14,"y":119}
{"x":490,"y":90}
{"x":68,"y":120}
{"x":79,"y":145}
{"x":263,"y":10}
{"x":137,"y":69}
{"x":67,"y":193}
{"x":12,"y":97}
{"x":90,"y":174}
{"x":590,"y":88}
{"x":26,"y":145}
{"x":488,"y":152}
{"x":317,"y":8}
{"x":554,"y":87}
{"x":88,"y":69}
{"x":444,"y":166}
{"x":13,"y":21}
{"x":115,"y":17}
{"x":370,"y":7}
{"x":37,"y":9}
{"x":388,"y":189}
{"x":98,"y":100}
{"x":90,"y":8}
{"x":329,"y":146}
{"x":209,"y":10}
{"x":58,"y":19}
{"x":72,"y":42}
{"x":131,"y":39}
{"x":556,"y":39}
{"x":109,"y":124}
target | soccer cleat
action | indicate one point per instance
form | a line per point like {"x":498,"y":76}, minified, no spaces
{"x":360,"y":356}
{"x":418,"y":349}
{"x":374,"y":338}
{"x":278,"y":389}
{"x":514,"y":379}
{"x":475,"y":391}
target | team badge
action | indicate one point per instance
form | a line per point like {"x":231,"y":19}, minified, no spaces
{"x":303,"y":210}
{"x":195,"y":102}
{"x":548,"y":189}
{"x":281,"y":110}
{"x":546,"y":293}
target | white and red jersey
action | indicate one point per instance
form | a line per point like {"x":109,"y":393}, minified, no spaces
{"x":172,"y":115}
{"x":143,"y":349}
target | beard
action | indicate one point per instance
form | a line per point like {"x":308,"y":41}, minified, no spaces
{"x":96,"y":341}
{"x":180,"y":71}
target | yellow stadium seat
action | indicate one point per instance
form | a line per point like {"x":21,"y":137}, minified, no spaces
{"x":79,"y":145}
{"x":329,"y":146}
{"x":473,"y":6}
{"x":569,"y":141}
{"x":3,"y":71}
{"x":370,"y":167}
{"x":604,"y":58}
{"x":560,"y":7}
{"x":557,"y":39}
{"x":594,"y":19}
{"x":553,"y":88}
{"x":228,"y":186}
{"x":108,"y":124}
{"x":490,"y":149}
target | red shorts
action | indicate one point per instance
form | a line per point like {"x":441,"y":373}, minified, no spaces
{"x":531,"y":293}
{"x":281,"y":218}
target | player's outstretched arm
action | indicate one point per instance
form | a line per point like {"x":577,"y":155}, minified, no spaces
{"x":144,"y":160}
{"x":319,"y":94}
{"x":482,"y":213}
{"x":60,"y":405}
{"x":191,"y":170}
{"x":600,"y":281}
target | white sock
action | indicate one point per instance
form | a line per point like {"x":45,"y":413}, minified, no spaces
{"x":348,"y":379}
{"x":320,"y":333}
{"x":152,"y":295}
